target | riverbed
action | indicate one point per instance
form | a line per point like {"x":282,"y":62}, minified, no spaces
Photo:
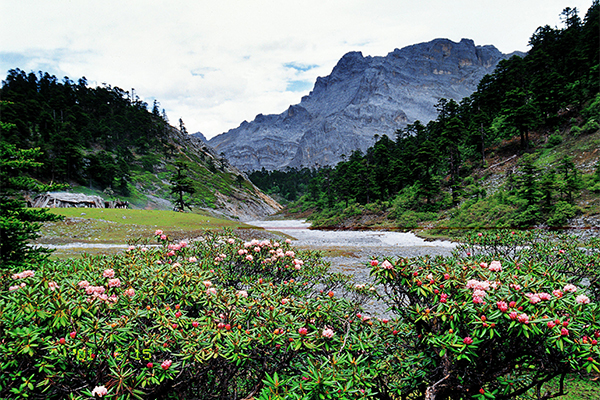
{"x":349,"y":252}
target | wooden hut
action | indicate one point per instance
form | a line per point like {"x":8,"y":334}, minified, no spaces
{"x":65,"y":200}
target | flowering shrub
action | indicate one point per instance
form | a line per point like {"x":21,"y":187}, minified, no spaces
{"x":222,"y":318}
{"x":181,"y":321}
{"x":488,"y":327}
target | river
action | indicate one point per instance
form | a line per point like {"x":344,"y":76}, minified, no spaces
{"x":349,"y":252}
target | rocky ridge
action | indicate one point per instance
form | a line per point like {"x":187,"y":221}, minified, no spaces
{"x":361,"y":98}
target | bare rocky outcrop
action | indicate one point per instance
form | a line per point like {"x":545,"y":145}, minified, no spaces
{"x":361,"y":98}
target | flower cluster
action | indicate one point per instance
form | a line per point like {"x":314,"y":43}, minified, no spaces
{"x":25,"y":274}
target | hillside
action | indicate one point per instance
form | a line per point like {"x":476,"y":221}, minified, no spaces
{"x":362,"y":98}
{"x":103,"y":140}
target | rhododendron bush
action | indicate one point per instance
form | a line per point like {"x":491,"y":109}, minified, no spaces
{"x":222,"y":318}
{"x":175,"y":321}
{"x":491,"y":327}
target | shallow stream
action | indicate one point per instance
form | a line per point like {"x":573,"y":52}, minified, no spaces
{"x":350,"y":251}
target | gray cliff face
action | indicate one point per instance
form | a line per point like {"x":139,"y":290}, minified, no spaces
{"x":361,"y":98}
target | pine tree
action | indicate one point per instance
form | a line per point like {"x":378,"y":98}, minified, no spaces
{"x":181,"y":184}
{"x":19,"y":224}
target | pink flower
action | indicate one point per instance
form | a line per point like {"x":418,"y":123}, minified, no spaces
{"x":502,"y":306}
{"x":13,"y":288}
{"x":551,"y":324}
{"x":479,"y":293}
{"x":443,"y":298}
{"x":207,"y":283}
{"x":570,"y":288}
{"x":249,"y":257}
{"x":564,"y":332}
{"x":114,"y":282}
{"x":53,"y":286}
{"x":495,"y":266}
{"x":374,"y":263}
{"x":108,"y":273}
{"x":242,"y":252}
{"x":533,"y":299}
{"x":130,"y":292}
{"x":515,"y":286}
{"x":446,"y":276}
{"x":387,"y":265}
{"x":477,"y":300}
{"x":242,"y":293}
{"x":467,"y":340}
{"x":303,"y":331}
{"x":163,"y":237}
{"x":193,"y":259}
{"x":166,"y":364}
{"x":328,"y":333}
{"x":25,"y":274}
{"x":83,"y":284}
{"x":512,"y":304}
{"x":523,"y":318}
{"x":290,"y":253}
{"x":231,"y":240}
{"x":131,"y":248}
{"x":483,"y":265}
{"x":211,"y":290}
{"x":288,"y":241}
{"x":544,"y":296}
{"x":101,"y":391}
{"x":557,"y":293}
{"x":284,"y":301}
{"x":513,"y":315}
{"x":582,"y":299}
{"x":158,"y":232}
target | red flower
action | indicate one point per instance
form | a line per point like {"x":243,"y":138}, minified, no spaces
{"x":467,"y":340}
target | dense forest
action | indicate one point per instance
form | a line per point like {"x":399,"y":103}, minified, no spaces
{"x":105,"y":140}
{"x":428,"y":168}
{"x":87,"y":135}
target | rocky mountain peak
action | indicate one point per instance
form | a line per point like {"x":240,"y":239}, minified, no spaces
{"x":361,"y":98}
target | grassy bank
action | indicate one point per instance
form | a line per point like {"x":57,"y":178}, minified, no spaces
{"x":122,"y":226}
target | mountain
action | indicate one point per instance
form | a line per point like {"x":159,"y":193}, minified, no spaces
{"x":221,"y":187}
{"x":361,"y":98}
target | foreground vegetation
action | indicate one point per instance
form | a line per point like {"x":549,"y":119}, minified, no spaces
{"x":224,"y":318}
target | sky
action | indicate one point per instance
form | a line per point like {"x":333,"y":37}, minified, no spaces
{"x":216,"y":63}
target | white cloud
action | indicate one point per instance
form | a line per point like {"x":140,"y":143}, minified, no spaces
{"x":217,"y":63}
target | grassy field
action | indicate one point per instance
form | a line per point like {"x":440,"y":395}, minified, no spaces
{"x":108,"y":226}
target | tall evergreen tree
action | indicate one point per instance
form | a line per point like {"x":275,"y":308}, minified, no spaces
{"x":181,"y":184}
{"x":19,"y":225}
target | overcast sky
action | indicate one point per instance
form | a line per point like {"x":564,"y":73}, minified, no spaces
{"x":216,"y":63}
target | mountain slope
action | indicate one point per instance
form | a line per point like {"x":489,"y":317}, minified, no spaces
{"x":361,"y":98}
{"x":103,"y":140}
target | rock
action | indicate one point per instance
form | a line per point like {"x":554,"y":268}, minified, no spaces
{"x":361,"y":98}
